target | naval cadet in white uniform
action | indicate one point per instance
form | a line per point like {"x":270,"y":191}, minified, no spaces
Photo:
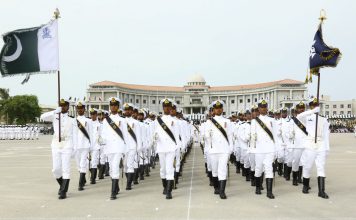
{"x":166,"y":136}
{"x":114,"y":134}
{"x":218,"y":133}
{"x":62,"y":144}
{"x":262,"y":137}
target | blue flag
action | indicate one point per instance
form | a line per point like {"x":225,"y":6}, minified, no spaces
{"x":322,"y":55}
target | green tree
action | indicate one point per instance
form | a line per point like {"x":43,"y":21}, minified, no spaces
{"x":21,"y":109}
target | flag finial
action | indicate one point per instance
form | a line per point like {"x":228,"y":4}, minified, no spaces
{"x":56,"y":14}
{"x":322,"y":15}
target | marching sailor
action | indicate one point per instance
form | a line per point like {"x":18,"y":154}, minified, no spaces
{"x":62,"y":144}
{"x":218,"y":133}
{"x":262,"y":136}
{"x":95,"y":144}
{"x":166,"y":136}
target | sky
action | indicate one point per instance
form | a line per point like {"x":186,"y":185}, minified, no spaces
{"x":164,"y":42}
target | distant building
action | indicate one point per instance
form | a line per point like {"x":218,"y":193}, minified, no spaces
{"x":337,"y":108}
{"x":196,"y":95}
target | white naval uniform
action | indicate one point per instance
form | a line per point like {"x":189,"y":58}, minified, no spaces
{"x":166,"y":147}
{"x":287,"y":124}
{"x":298,"y":139}
{"x":114,"y":146}
{"x":82,"y":144}
{"x":279,"y":140}
{"x":95,"y":142}
{"x":134,"y":148}
{"x":316,"y":152}
{"x":220,"y":148}
{"x":61,"y":151}
{"x":265,"y":147}
{"x":243,"y":139}
{"x":182,"y":136}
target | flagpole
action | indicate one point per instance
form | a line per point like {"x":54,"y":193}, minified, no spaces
{"x":321,"y":18}
{"x":56,"y":16}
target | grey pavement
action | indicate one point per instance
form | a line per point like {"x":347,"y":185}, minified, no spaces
{"x":28,"y":191}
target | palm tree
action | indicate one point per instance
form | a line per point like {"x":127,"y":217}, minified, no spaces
{"x":4,"y":96}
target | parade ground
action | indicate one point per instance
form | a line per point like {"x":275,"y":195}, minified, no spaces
{"x":28,"y":190}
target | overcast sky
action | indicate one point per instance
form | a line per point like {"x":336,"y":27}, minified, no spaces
{"x":163,"y":42}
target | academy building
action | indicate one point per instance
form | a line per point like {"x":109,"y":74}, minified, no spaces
{"x":196,"y":94}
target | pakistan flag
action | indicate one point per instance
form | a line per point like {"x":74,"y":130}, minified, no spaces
{"x":30,"y":51}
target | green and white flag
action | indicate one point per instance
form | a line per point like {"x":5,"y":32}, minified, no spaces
{"x":30,"y":51}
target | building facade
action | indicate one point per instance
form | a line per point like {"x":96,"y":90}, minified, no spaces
{"x":196,"y":95}
{"x":337,"y":108}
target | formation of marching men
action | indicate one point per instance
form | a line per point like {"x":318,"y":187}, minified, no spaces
{"x":119,"y":142}
{"x":19,"y":132}
{"x":262,"y":143}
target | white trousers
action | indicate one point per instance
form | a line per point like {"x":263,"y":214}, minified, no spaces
{"x":177,"y":157}
{"x":166,"y":161}
{"x":245,"y":158}
{"x":114,"y":163}
{"x":252,"y":161}
{"x":61,"y":163}
{"x":296,"y":161}
{"x":289,"y":157}
{"x":130,"y":159}
{"x":219,"y":165}
{"x":94,"y":159}
{"x":82,"y":160}
{"x":281,"y":154}
{"x":264,"y":163}
{"x":103,"y":157}
{"x":311,"y":156}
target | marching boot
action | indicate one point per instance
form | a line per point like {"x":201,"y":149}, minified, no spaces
{"x":289,"y":170}
{"x":135,"y":176}
{"x":206,"y":169}
{"x":59,"y":181}
{"x":129,"y":181}
{"x":169,"y":189}
{"x":300,"y":180}
{"x":295,"y":178}
{"x":211,"y":182}
{"x":93,"y":175}
{"x":222,"y":185}
{"x":176,"y":177}
{"x":285,"y":171}
{"x":253,"y":179}
{"x":216,"y":185}
{"x":238,"y":165}
{"x":269,"y":183}
{"x":142,"y":172}
{"x":107,"y":169}
{"x":180,"y":169}
{"x":258,"y":185}
{"x":101,"y":171}
{"x":164,"y":183}
{"x":243,"y":170}
{"x":114,"y":190}
{"x":64,"y":189}
{"x":147,"y":170}
{"x":274,"y":166}
{"x":321,"y":186}
{"x":81,"y":182}
{"x":248,"y":174}
{"x":280,"y":169}
{"x":262,"y":177}
{"x":306,"y":185}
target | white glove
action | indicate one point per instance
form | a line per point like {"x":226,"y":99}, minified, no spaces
{"x":58,"y":110}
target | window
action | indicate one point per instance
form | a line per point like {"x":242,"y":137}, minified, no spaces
{"x":349,"y":105}
{"x":178,"y":102}
{"x":131,"y":100}
{"x":240,"y":100}
{"x":327,"y":113}
{"x":341,"y":112}
{"x":342,"y":106}
{"x":232,"y":101}
{"x":326,"y":106}
{"x":224,"y":101}
{"x":334,"y":112}
{"x":144,"y":101}
{"x":334,"y":106}
{"x":153,"y":101}
{"x":248,"y":100}
{"x":255,"y":99}
{"x":349,"y":112}
{"x":137,"y":101}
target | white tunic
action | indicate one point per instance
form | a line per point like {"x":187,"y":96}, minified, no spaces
{"x":113,"y":142}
